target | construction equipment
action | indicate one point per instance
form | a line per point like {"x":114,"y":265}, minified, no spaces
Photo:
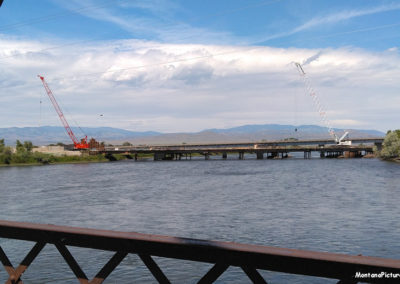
{"x":318,"y":105}
{"x":77,"y":144}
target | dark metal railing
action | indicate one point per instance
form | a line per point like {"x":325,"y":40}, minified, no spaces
{"x":251,"y":258}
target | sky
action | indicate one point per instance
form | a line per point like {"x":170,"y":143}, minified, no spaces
{"x":185,"y":66}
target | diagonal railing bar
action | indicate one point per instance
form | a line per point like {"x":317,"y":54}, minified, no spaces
{"x":29,"y":258}
{"x":15,"y":274}
{"x":70,"y":260}
{"x":108,"y":267}
{"x":254,"y":275}
{"x":213,"y":274}
{"x":154,"y":269}
{"x":6,"y":263}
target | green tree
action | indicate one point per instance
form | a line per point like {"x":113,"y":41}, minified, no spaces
{"x":2,"y":145}
{"x":5,"y":155}
{"x":28,"y":146}
{"x":391,"y":145}
{"x":126,"y":144}
{"x":23,"y":153}
{"x":19,"y":147}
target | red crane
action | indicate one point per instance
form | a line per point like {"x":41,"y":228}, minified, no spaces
{"x":77,"y":145}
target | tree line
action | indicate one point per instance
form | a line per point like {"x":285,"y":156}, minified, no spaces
{"x":23,"y":154}
{"x":391,"y":145}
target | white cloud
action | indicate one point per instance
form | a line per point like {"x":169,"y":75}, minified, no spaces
{"x":345,"y":15}
{"x":337,"y":17}
{"x":171,"y":87}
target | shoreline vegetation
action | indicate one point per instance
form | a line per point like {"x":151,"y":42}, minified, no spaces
{"x":391,"y":147}
{"x":23,"y":155}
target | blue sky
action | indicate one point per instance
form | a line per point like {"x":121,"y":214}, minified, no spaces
{"x":280,"y":23}
{"x":190,"y":65}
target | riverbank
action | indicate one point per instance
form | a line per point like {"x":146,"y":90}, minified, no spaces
{"x":394,"y":160}
{"x":48,"y":159}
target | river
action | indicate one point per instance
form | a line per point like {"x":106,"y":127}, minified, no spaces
{"x":346,"y":206}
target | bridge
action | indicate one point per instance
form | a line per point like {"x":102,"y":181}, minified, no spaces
{"x":265,"y":149}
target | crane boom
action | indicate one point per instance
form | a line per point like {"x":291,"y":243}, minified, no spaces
{"x":318,"y":105}
{"x":77,"y":144}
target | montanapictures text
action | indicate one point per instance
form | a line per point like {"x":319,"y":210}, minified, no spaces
{"x":380,"y":275}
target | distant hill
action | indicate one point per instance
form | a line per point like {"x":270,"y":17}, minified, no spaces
{"x":249,"y":133}
{"x":52,"y":134}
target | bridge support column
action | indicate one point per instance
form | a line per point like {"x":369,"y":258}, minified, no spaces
{"x":159,"y":156}
{"x":307,"y":155}
{"x":260,"y":155}
{"x":136,"y":156}
{"x":241,"y":155}
{"x":224,"y":155}
{"x":207,"y":156}
{"x":322,"y":154}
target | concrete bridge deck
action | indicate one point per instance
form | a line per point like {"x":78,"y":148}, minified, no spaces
{"x":272,"y":149}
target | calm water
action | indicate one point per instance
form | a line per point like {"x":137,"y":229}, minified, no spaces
{"x":335,"y":205}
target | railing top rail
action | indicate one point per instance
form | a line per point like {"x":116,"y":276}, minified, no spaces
{"x":304,"y":262}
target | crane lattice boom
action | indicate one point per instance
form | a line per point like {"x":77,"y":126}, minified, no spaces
{"x":319,"y":107}
{"x":77,"y":144}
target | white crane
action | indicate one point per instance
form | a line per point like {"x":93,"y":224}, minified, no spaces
{"x":321,"y":111}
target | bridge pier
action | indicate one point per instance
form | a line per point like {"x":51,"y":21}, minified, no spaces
{"x":334,"y":154}
{"x":322,"y":154}
{"x":241,"y":155}
{"x":136,"y":156}
{"x":207,"y":156}
{"x":158,"y":156}
{"x":353,"y":154}
{"x":307,"y":154}
{"x":260,"y":155}
{"x":224,"y":155}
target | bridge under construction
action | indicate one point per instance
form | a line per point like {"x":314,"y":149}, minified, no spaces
{"x":269,"y":150}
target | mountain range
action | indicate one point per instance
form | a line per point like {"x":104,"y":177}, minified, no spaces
{"x":247,"y":133}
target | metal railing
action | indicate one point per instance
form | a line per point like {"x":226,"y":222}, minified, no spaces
{"x":251,"y":258}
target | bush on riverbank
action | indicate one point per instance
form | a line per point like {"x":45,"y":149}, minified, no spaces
{"x":23,"y":155}
{"x":391,"y":145}
{"x":5,"y":153}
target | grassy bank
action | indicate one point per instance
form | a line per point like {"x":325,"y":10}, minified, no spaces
{"x":24,"y":156}
{"x":47,"y":159}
